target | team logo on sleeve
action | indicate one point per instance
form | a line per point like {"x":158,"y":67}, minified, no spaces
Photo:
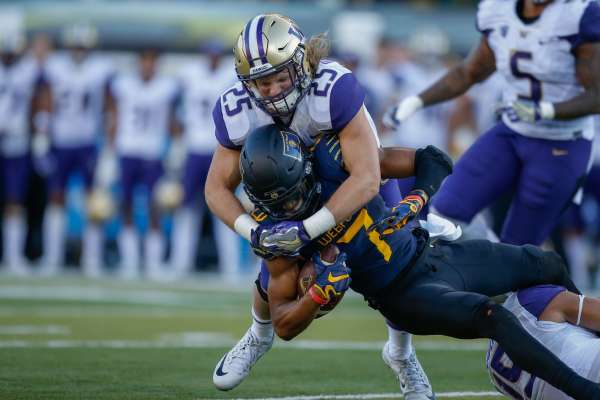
{"x":291,"y":145}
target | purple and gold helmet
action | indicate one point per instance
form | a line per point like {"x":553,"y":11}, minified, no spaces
{"x":271,"y":43}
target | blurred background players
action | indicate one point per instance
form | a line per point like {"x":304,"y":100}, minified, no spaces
{"x":142,"y":114}
{"x":22,"y":93}
{"x":202,"y":82}
{"x":77,"y":81}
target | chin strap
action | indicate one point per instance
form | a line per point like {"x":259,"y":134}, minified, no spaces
{"x":580,"y":311}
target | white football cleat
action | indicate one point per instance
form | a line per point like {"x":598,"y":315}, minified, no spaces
{"x":414,"y":384}
{"x":235,"y":365}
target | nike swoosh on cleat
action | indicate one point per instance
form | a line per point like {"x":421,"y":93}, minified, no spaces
{"x":334,"y":279}
{"x":220,"y":371}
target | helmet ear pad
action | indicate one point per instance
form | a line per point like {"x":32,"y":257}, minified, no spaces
{"x":276,"y":169}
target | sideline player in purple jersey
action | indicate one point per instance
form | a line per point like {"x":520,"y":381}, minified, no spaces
{"x":22,"y":93}
{"x":285,"y":79}
{"x":77,"y":83}
{"x":549,"y":55}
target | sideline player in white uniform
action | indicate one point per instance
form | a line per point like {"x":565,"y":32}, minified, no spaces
{"x":202,"y":82}
{"x":142,"y":106}
{"x":565,"y":323}
{"x":549,"y":55}
{"x":284,"y":79}
{"x":21,"y":85}
{"x":77,"y":83}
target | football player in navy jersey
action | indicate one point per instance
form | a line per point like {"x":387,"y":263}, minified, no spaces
{"x":285,"y":79}
{"x":430,"y":288}
{"x":548,"y":52}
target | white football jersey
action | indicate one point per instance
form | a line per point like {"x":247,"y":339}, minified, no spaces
{"x":332,"y":101}
{"x":143,"y":114}
{"x":18,"y":83}
{"x":201,"y":88}
{"x":536,"y":58}
{"x":77,"y":98}
{"x":578,"y":348}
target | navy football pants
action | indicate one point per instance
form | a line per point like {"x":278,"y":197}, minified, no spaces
{"x":447,"y":291}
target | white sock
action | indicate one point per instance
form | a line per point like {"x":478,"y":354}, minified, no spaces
{"x":129,"y":245}
{"x":14,"y":239}
{"x":91,"y":254}
{"x":576,"y":252}
{"x":154,"y":246}
{"x":400,"y":343}
{"x":262,"y":328}
{"x":228,"y":246}
{"x":54,"y":235}
{"x":184,"y":239}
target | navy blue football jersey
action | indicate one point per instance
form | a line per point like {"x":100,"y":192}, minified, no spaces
{"x":373,"y":261}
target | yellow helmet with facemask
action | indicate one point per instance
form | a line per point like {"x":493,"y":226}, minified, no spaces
{"x":268,"y":44}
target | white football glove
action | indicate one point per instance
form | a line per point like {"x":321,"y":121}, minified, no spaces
{"x":40,"y":145}
{"x":175,"y":156}
{"x":529,"y":111}
{"x":106,"y":168}
{"x":398,"y":114}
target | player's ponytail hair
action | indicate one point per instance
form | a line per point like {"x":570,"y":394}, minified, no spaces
{"x":317,"y":48}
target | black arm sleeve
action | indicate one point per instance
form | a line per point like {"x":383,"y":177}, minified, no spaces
{"x":431,"y":167}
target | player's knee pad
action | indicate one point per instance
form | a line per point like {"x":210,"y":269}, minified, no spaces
{"x":489,"y":317}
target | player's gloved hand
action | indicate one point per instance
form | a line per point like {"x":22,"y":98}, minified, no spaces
{"x":400,"y":215}
{"x":394,"y":116}
{"x":175,"y":158}
{"x":332,"y":280}
{"x":529,"y":111}
{"x":283,"y":238}
{"x":106,"y":168}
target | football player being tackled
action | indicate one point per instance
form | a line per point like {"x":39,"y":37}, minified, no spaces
{"x":284,"y":79}
{"x":428,"y":288}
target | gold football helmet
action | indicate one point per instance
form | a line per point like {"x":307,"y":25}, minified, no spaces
{"x":271,"y":43}
{"x":100,"y":205}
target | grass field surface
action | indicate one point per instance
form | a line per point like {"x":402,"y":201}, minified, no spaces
{"x":71,"y":338}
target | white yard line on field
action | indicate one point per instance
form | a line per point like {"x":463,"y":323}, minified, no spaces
{"x":34,"y":330}
{"x":224,"y":340}
{"x":368,"y":396}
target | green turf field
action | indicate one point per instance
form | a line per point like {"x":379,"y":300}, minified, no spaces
{"x":71,"y":338}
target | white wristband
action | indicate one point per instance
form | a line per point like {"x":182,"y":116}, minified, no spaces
{"x":580,"y":311}
{"x":407,"y":107}
{"x":244,"y":224}
{"x":546,"y":110}
{"x":319,"y":223}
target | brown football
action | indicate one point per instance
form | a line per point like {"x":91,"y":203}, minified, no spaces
{"x":307,"y":276}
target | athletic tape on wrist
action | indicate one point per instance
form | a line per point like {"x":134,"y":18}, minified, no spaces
{"x":580,"y":310}
{"x":244,"y":224}
{"x":319,"y":223}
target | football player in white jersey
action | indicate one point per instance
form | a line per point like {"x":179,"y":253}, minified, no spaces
{"x":564,"y":322}
{"x":548,"y":53}
{"x":285,"y":80}
{"x":203,"y":82}
{"x":141,"y":116}
{"x":22,"y":90}
{"x":77,"y":83}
